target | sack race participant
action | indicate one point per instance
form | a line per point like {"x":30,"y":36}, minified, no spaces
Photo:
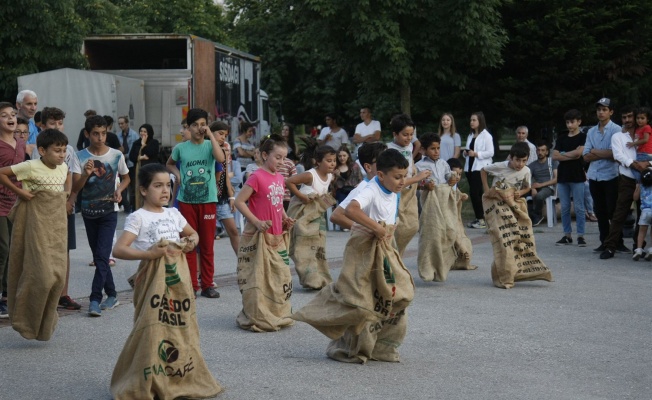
{"x":307,"y":208}
{"x":438,"y":233}
{"x":364,"y":311}
{"x":162,"y":358}
{"x":508,"y":222}
{"x":463,"y":245}
{"x":439,"y":227}
{"x":408,"y":208}
{"x":265,"y":281}
{"x":38,"y":251}
{"x":263,"y":265}
{"x":37,"y":263}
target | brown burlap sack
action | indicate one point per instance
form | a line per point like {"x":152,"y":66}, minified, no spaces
{"x":463,"y":246}
{"x":408,"y":218}
{"x":515,"y":255}
{"x":437,"y":233}
{"x":37,"y":263}
{"x":363,"y":312}
{"x":265,"y":281}
{"x":308,"y":241}
{"x":161,"y":358}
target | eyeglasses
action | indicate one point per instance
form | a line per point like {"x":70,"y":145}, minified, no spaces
{"x":21,"y":133}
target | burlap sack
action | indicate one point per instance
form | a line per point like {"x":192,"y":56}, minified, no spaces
{"x":438,"y":231}
{"x":363,"y":312}
{"x":308,"y":241}
{"x":463,"y":245}
{"x":161,"y":358}
{"x":512,"y":238}
{"x":408,"y":218}
{"x":265,"y":281}
{"x":37,"y":263}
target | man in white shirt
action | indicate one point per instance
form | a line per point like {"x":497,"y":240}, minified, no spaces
{"x":332,"y":135}
{"x":367,"y":131}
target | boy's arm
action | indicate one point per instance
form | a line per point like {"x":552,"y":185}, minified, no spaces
{"x":5,"y":174}
{"x":418,"y":177}
{"x":171,"y":165}
{"x":70,"y":204}
{"x":355,"y":213}
{"x":124,"y":182}
{"x":483,"y":176}
{"x":338,"y":217}
{"x":67,"y":187}
{"x":292,"y":182}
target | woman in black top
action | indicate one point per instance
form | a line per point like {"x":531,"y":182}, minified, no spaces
{"x":144,"y":151}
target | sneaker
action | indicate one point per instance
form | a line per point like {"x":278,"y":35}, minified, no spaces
{"x":109,"y":303}
{"x":591,"y":217}
{"x":470,"y":224}
{"x":536,"y":221}
{"x":648,"y":256}
{"x":3,"y":309}
{"x":638,"y":254}
{"x":480,"y":224}
{"x":94,"y":309}
{"x":211,"y":293}
{"x":622,"y":249}
{"x":607,"y":254}
{"x":600,"y":249}
{"x":91,"y":264}
{"x":111,"y":262}
{"x":581,"y":242}
{"x":346,"y":230}
{"x":564,"y":240}
{"x":68,"y":303}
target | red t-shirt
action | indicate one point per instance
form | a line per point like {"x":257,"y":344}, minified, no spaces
{"x":640,"y":134}
{"x":10,"y":156}
{"x":267,"y":201}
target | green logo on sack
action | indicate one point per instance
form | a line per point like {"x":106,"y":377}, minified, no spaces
{"x":387,"y":269}
{"x":167,"y":352}
{"x":174,"y":278}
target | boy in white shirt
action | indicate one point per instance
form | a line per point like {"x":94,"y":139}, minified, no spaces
{"x":511,"y":173}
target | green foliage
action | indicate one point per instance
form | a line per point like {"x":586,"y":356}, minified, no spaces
{"x":198,"y":17}
{"x":37,"y":35}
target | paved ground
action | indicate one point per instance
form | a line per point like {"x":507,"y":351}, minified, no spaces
{"x":585,"y":336}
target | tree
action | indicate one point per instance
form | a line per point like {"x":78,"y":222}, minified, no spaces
{"x":38,"y":35}
{"x":198,"y":17}
{"x":566,"y":54}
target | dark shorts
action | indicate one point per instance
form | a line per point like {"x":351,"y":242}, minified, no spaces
{"x":72,"y":238}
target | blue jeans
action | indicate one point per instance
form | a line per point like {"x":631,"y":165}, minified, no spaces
{"x":100,"y":237}
{"x":564,"y":192}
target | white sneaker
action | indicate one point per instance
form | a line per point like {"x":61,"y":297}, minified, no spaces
{"x":480,"y":224}
{"x":648,"y":256}
{"x":638,"y":254}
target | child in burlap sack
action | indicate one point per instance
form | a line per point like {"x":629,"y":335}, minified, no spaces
{"x":263,"y":264}
{"x":364,"y":311}
{"x":37,"y":256}
{"x":438,"y":222}
{"x":463,"y":244}
{"x":408,"y":209}
{"x":161,"y":357}
{"x":307,"y":207}
{"x":508,"y":222}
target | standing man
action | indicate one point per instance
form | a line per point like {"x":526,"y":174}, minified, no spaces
{"x":368,"y":131}
{"x":521,"y":136}
{"x":332,"y":135}
{"x":26,"y":103}
{"x":603,"y":170}
{"x":127,"y":137}
{"x":544,"y":179}
{"x":625,"y":156}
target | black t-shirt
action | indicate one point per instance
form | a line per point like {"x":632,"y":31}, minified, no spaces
{"x":571,"y":171}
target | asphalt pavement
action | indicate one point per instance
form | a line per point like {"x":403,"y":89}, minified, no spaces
{"x":587,"y":335}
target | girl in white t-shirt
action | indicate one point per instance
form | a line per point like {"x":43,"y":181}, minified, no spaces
{"x":317,"y":180}
{"x":154,"y":221}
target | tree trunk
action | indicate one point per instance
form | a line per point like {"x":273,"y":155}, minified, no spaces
{"x":405,"y":98}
